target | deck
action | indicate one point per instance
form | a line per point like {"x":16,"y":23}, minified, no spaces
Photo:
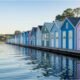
{"x":70,"y":53}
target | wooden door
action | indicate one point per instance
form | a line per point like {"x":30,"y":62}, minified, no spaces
{"x":57,"y":40}
{"x":70,"y":39}
{"x":64,"y":39}
{"x":52,"y":40}
{"x":78,"y":38}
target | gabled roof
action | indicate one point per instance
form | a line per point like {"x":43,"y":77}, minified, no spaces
{"x":40,"y":27}
{"x":48,"y":25}
{"x":74,"y":20}
{"x":28,"y":31}
{"x":58,"y":23}
{"x":34,"y":29}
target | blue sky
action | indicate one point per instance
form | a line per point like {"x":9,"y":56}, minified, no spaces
{"x":24,"y":14}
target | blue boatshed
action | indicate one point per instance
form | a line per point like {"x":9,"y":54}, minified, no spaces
{"x":22,"y":38}
{"x":38,"y":35}
{"x":33,"y":36}
{"x":27,"y":38}
{"x":46,"y":34}
{"x":68,"y":33}
{"x":55,"y":34}
{"x":18,"y":38}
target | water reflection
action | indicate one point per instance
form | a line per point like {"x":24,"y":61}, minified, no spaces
{"x":29,"y":64}
{"x":55,"y":65}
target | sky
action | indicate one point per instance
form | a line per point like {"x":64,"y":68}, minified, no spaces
{"x":24,"y":14}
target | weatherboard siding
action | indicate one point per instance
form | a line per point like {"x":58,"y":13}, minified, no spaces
{"x":38,"y":36}
{"x":66,"y":30}
{"x":45,"y":37}
{"x":33,"y":37}
{"x":55,"y":34}
{"x":78,"y":37}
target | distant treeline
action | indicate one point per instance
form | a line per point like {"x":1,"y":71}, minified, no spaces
{"x":4,"y":37}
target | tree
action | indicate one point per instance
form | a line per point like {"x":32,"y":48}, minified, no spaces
{"x":77,"y":12}
{"x":17,"y":32}
{"x":58,"y":17}
{"x":68,"y":13}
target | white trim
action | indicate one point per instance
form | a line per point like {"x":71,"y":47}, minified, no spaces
{"x":75,"y":38}
{"x":78,"y":23}
{"x":70,"y":40}
{"x":69,"y":22}
{"x":63,"y":22}
{"x":52,"y":26}
{"x":44,"y":28}
{"x":64,"y":39}
{"x":55,"y":26}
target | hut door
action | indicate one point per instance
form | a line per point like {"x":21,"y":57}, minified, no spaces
{"x":70,"y":43}
{"x":64,"y":40}
{"x":45,"y":43}
{"x":52,"y":40}
{"x":57,"y":40}
{"x":78,"y":39}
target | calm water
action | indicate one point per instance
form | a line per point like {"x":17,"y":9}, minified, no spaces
{"x":17,"y":63}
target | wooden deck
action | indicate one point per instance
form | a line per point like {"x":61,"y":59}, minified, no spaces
{"x":70,"y":53}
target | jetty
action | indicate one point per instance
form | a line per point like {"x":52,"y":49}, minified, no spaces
{"x":59,"y":51}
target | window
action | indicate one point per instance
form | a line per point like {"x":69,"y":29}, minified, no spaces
{"x":70,"y":35}
{"x":44,"y":36}
{"x":66,"y":25}
{"x":57,"y":36}
{"x":52,"y":39}
{"x":57,"y":40}
{"x":64,"y":35}
{"x":47,"y":36}
{"x":45,"y":29}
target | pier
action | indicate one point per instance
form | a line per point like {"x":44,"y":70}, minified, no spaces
{"x":70,"y":53}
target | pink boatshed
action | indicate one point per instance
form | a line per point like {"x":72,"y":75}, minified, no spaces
{"x":78,"y":35}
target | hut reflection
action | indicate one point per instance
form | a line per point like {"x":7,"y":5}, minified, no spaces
{"x":52,"y":64}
